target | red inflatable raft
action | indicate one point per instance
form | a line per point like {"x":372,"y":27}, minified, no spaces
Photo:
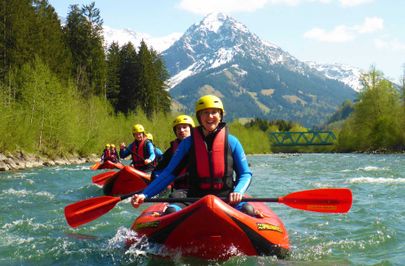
{"x":212,"y":229}
{"x":106,"y":165}
{"x":126,"y":181}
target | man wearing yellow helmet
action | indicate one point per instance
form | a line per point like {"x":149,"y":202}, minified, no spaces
{"x":213,"y":156}
{"x":141,"y":149}
{"x":106,"y":153}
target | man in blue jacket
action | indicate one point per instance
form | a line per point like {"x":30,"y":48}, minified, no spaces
{"x":141,"y":150}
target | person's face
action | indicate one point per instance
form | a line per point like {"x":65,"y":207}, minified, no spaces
{"x":138,"y":136}
{"x":182,"y":131}
{"x":210,"y":118}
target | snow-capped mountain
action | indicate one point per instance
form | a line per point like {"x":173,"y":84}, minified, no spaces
{"x":216,"y":41}
{"x":123,"y":36}
{"x":349,"y":75}
{"x":254,"y":78}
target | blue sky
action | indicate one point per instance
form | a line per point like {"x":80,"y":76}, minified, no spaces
{"x":359,"y":33}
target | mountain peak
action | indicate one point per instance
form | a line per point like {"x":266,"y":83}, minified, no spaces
{"x":213,"y":21}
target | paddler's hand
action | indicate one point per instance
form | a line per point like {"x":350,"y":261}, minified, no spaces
{"x":137,"y":200}
{"x":147,"y":161}
{"x":235,"y":198}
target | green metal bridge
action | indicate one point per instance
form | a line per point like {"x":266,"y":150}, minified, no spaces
{"x":310,"y":138}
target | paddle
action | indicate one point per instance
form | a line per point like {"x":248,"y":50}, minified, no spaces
{"x":100,"y":179}
{"x":87,"y":210}
{"x":326,"y":200}
{"x":95,"y":166}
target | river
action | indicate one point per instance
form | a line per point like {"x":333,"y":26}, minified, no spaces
{"x":34,"y":231}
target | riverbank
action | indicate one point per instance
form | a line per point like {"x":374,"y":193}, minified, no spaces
{"x":21,"y":160}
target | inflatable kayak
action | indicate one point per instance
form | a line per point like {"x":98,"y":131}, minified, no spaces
{"x":106,"y":165}
{"x":126,"y":181}
{"x":212,"y":229}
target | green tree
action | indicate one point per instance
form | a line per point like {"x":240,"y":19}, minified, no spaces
{"x":83,"y":33}
{"x":164,"y":99}
{"x":113,"y":74}
{"x":128,"y":95}
{"x":17,"y":23}
{"x":49,"y":41}
{"x":375,"y":123}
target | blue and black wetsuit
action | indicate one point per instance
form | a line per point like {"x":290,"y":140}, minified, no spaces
{"x":240,"y":167}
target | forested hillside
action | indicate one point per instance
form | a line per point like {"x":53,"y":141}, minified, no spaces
{"x":62,"y":91}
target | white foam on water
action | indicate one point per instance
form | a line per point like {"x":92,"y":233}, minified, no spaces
{"x":7,"y":240}
{"x":371,"y":168}
{"x":376,"y":180}
{"x":25,"y":193}
{"x":28,"y":223}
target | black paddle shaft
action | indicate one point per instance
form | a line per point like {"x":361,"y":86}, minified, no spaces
{"x":171,"y":200}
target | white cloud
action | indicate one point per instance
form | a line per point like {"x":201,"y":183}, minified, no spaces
{"x":227,"y":6}
{"x":393,"y":45}
{"x":339,"y":34}
{"x":343,"y":33}
{"x":370,"y":25}
{"x":203,"y":7}
{"x":350,"y":3}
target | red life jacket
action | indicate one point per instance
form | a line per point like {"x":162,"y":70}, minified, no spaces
{"x":181,"y":180}
{"x":212,"y":170}
{"x":107,"y":154}
{"x":138,"y":153}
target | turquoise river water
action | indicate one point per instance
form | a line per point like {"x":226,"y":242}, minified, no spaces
{"x":34,"y":231}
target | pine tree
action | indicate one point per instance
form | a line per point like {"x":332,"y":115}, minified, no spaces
{"x":49,"y":40}
{"x":17,"y":20}
{"x":164,"y":100}
{"x":129,"y":97}
{"x":84,"y":36}
{"x":152,"y":76}
{"x":113,"y":74}
{"x":147,"y":81}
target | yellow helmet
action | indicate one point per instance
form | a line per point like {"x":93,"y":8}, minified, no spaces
{"x":149,"y":136}
{"x":208,"y":101}
{"x":138,"y":128}
{"x":183,"y":119}
{"x":112,"y":146}
{"x":107,"y":145}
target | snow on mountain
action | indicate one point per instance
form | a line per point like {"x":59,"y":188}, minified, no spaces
{"x":349,"y":75}
{"x":202,"y":42}
{"x":123,"y":36}
{"x":215,"y":41}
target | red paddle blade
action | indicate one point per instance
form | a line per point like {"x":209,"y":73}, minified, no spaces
{"x":88,"y":210}
{"x":100,"y":179}
{"x":328,"y":200}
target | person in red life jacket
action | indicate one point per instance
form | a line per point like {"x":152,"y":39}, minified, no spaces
{"x":114,"y":154}
{"x":141,"y":150}
{"x":106,"y":154}
{"x":182,"y":126}
{"x":213,"y":156}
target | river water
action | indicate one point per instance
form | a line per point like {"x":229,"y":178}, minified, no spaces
{"x":34,"y":231}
